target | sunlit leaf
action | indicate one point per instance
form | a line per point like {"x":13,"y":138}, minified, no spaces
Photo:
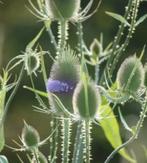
{"x":110,"y":127}
{"x":118,"y":17}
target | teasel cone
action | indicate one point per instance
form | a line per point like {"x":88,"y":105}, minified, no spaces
{"x":30,"y":137}
{"x":130,"y":76}
{"x":63,"y":79}
{"x":86,"y":100}
{"x":62,"y":9}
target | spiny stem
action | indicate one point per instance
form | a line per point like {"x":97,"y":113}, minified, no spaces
{"x":54,"y":141}
{"x":117,"y":41}
{"x":78,"y":146}
{"x":134,"y":136}
{"x":66,"y":132}
{"x":87,"y":141}
{"x":63,"y":35}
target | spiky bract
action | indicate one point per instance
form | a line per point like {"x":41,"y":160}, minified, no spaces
{"x":130,"y":76}
{"x":86,"y":100}
{"x":64,"y":76}
{"x":63,"y":9}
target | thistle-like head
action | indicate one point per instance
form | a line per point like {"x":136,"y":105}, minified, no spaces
{"x":63,"y":79}
{"x":30,"y":137}
{"x":86,"y":100}
{"x":130,"y":76}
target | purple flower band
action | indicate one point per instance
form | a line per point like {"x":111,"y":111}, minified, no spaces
{"x":57,"y":86}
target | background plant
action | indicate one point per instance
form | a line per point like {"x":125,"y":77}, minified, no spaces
{"x":106,"y":93}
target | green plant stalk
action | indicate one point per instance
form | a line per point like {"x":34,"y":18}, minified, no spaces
{"x":54,"y":140}
{"x":79,"y":145}
{"x":129,"y":36}
{"x":12,"y":96}
{"x":66,"y":132}
{"x":87,"y":141}
{"x":116,"y":42}
{"x":134,"y":136}
{"x":63,"y":35}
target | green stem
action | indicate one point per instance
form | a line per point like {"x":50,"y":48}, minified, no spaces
{"x":79,"y":146}
{"x":12,"y":96}
{"x":87,"y":141}
{"x":66,"y":139}
{"x":116,"y":42}
{"x":63,"y":35}
{"x":134,"y":137}
{"x":54,"y":140}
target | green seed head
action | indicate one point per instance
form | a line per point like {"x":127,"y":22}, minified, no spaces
{"x":86,"y":100}
{"x":63,"y":79}
{"x":130,"y":76}
{"x":62,"y":9}
{"x":30,"y":136}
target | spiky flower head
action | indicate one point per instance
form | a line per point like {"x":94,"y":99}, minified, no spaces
{"x":63,"y":79}
{"x":130,"y":76}
{"x":63,"y":9}
{"x":86,"y":100}
{"x":30,"y":136}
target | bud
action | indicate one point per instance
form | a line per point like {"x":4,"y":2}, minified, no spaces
{"x":130,"y":76}
{"x":95,"y":48}
{"x":41,"y":158}
{"x":30,"y":136}
{"x":62,"y":9}
{"x":63,"y":78}
{"x":86,"y":100}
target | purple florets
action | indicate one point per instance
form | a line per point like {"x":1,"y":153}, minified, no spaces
{"x":57,"y":86}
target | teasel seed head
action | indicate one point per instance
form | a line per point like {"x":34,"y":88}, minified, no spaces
{"x":62,"y":9}
{"x":130,"y":76}
{"x":63,"y":79}
{"x":30,"y":137}
{"x":86,"y":100}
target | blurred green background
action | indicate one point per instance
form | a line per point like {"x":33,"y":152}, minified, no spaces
{"x":18,"y":27}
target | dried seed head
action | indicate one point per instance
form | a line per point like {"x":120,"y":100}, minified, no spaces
{"x":30,"y":136}
{"x":130,"y":76}
{"x":63,"y":79}
{"x":86,"y":100}
{"x":62,"y":9}
{"x":41,"y":158}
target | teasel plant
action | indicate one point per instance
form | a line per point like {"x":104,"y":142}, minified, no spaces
{"x":72,"y":96}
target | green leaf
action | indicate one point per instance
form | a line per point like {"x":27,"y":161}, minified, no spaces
{"x":118,"y":17}
{"x":3,"y":159}
{"x":110,"y":127}
{"x":141,"y":20}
